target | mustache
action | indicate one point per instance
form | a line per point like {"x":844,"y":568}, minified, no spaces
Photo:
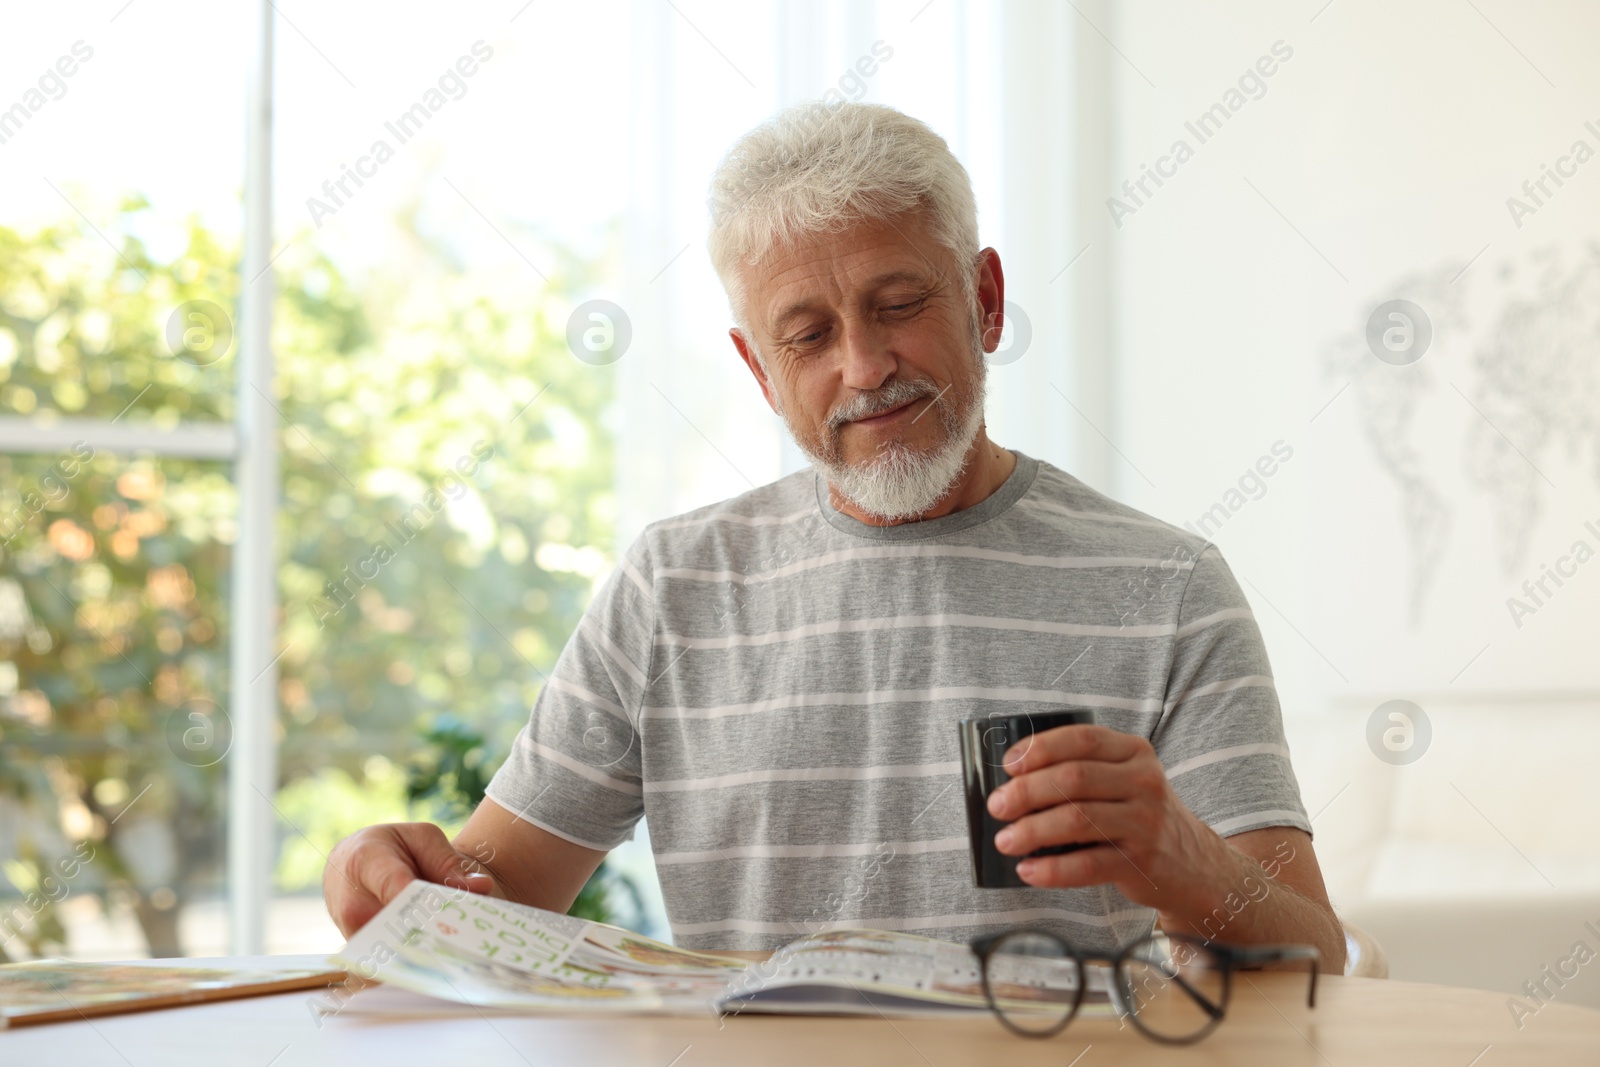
{"x":896,"y":393}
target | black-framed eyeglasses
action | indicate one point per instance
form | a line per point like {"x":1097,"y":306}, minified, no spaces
{"x":1175,"y":989}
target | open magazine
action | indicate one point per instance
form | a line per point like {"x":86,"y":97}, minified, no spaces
{"x":489,"y":953}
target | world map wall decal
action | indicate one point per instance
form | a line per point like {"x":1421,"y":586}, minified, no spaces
{"x":1515,"y":343}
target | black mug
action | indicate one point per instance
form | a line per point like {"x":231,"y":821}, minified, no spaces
{"x":984,"y":743}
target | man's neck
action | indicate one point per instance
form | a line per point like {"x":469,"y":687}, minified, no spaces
{"x":988,"y":467}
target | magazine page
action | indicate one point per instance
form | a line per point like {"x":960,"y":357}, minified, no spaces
{"x":478,"y":950}
{"x":863,"y":971}
{"x":487,"y":953}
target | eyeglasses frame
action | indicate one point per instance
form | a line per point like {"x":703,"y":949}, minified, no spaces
{"x":1231,"y":957}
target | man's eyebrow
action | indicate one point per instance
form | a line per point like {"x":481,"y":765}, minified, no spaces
{"x":800,"y":307}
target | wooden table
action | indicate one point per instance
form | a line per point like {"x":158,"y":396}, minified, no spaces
{"x":1360,"y":1022}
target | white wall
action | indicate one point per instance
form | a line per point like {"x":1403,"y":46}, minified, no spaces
{"x":1377,"y":165}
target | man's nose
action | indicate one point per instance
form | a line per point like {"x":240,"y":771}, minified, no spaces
{"x":866,"y":361}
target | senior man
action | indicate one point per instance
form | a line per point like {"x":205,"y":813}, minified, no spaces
{"x":775,"y":680}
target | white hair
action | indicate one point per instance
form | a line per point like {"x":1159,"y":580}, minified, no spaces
{"x":816,"y":167}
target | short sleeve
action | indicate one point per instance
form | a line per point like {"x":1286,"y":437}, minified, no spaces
{"x":1221,"y":732}
{"x":575,"y":768}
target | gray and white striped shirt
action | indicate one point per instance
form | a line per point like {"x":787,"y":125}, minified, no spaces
{"x":775,"y":685}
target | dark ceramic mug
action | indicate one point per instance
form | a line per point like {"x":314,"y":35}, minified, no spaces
{"x":984,"y":743}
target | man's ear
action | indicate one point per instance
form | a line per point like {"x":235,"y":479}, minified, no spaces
{"x":991,"y":294}
{"x":747,"y":354}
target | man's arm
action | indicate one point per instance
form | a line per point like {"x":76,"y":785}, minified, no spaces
{"x":529,"y":864}
{"x":1093,"y":785}
{"x":1276,"y":895}
{"x":496,"y":853}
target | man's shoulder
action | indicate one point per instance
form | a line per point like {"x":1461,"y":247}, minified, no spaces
{"x":1087,"y":514}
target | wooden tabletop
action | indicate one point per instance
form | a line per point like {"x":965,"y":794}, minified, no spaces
{"x":1360,"y":1022}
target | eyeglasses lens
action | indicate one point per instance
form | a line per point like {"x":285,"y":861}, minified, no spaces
{"x":1033,"y":983}
{"x":1174,"y":989}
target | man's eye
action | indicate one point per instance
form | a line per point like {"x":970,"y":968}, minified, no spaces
{"x":903,"y":307}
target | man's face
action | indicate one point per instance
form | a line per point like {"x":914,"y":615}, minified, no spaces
{"x":872,"y":356}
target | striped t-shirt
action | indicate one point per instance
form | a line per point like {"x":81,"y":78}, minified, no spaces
{"x":775,"y":685}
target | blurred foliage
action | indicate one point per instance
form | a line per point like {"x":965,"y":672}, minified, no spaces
{"x":328,"y":805}
{"x":601,"y":896}
{"x":32,"y":918}
{"x":451,"y":773}
{"x":450,"y":769}
{"x":424,"y":408}
{"x":81,"y":325}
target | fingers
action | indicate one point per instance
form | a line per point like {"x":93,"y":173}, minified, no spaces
{"x":1069,"y":824}
{"x":481,"y":883}
{"x":1099,"y":865}
{"x":1057,"y":783}
{"x":371,"y":867}
{"x":1075,"y":742}
{"x":350,"y":907}
{"x":352,"y":911}
{"x":435,"y":859}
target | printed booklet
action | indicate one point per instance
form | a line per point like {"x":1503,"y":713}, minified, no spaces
{"x":489,"y":953}
{"x":52,"y":991}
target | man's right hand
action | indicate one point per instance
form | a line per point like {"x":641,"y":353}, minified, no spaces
{"x":369,"y":868}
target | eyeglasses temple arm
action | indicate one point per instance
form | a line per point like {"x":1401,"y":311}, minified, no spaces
{"x":1213,"y":1010}
{"x":1246,"y":955}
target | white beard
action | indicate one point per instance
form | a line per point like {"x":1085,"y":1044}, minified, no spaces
{"x":900,"y":483}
